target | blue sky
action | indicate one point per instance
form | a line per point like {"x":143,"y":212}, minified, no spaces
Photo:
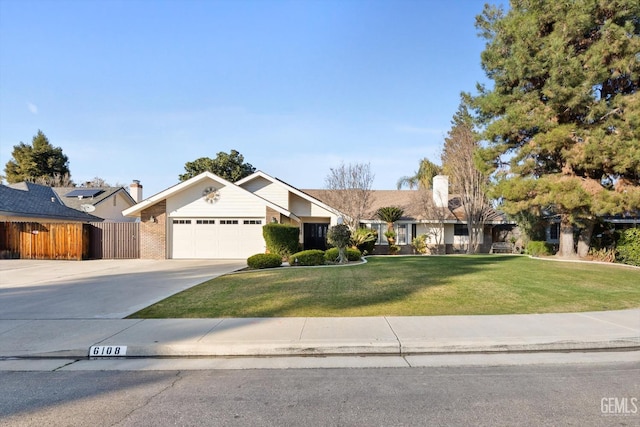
{"x":135,"y":89}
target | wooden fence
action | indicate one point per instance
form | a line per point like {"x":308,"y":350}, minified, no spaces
{"x":35,"y":240}
{"x":69,"y":241}
{"x":114,"y":240}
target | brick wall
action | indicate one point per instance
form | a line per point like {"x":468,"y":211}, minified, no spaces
{"x":153,"y":234}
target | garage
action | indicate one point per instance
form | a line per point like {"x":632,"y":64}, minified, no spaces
{"x":216,"y":238}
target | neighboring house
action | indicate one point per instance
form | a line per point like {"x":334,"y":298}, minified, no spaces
{"x":609,"y":224}
{"x":210,"y":217}
{"x":31,"y":202}
{"x":435,"y":214}
{"x":104,"y":202}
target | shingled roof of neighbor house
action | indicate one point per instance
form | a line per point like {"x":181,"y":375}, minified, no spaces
{"x":29,"y":200}
{"x":75,"y":197}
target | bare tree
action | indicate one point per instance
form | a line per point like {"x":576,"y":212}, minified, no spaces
{"x":348,"y":190}
{"x":55,"y":180}
{"x":466,"y":179}
{"x":433,"y":211}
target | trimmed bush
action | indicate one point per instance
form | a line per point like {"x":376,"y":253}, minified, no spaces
{"x":538,"y":248}
{"x":331,"y":255}
{"x":628,"y":247}
{"x":281,"y":239}
{"x":309,"y":257}
{"x":264,"y":261}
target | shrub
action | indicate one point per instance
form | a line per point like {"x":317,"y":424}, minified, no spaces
{"x":309,"y":257}
{"x":364,"y":239}
{"x":264,"y":261}
{"x":628,"y":247}
{"x":602,"y":255}
{"x":331,"y":255}
{"x":281,"y":239}
{"x":538,"y":248}
{"x":420,"y":244}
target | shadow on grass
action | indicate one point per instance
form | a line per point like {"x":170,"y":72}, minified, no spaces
{"x":346,"y":291}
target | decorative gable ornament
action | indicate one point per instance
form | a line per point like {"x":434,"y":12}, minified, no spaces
{"x":210,"y":194}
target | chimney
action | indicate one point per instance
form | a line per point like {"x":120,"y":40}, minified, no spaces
{"x":441,"y":191}
{"x":135,"y":189}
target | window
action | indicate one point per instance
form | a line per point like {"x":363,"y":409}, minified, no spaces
{"x":206,"y":221}
{"x":380,"y":228}
{"x":554,"y":231}
{"x":228,"y":221}
{"x":252,"y":221}
{"x":401,"y":238}
{"x":460,"y":230}
{"x":182,"y":221}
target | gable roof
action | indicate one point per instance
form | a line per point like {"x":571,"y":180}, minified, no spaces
{"x":289,"y":187}
{"x":77,"y":202}
{"x":136,"y":209}
{"x":26,"y":199}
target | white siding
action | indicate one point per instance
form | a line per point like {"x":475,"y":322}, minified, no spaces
{"x":304,"y":208}
{"x":232,"y":202}
{"x":435,"y":233}
{"x":269,"y":191}
{"x":113,"y":212}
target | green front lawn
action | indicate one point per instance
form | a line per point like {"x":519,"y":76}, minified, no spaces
{"x":410,"y":286}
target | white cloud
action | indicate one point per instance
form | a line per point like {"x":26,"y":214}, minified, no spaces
{"x":32,"y":107}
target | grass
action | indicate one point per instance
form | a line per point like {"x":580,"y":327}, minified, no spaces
{"x":410,"y":286}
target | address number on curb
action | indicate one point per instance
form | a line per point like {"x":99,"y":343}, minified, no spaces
{"x":108,"y":351}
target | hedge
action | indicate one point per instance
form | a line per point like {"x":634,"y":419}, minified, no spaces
{"x":309,"y":257}
{"x":264,"y":261}
{"x":281,"y":239}
{"x":538,"y":248}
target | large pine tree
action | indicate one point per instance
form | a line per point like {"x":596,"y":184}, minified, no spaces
{"x":563,"y":116}
{"x":40,"y":161}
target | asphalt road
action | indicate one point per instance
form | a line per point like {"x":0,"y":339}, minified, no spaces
{"x":570,"y":394}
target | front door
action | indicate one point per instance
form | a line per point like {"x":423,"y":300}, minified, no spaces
{"x":315,"y":236}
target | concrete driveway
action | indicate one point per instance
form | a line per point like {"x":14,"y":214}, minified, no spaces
{"x":97,"y":289}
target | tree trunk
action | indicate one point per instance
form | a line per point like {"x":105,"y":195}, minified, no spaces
{"x":567,"y":249}
{"x":584,"y":239}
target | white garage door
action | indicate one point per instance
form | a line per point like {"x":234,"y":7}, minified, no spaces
{"x":211,"y":238}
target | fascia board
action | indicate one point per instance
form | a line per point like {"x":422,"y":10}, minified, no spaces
{"x":136,"y":209}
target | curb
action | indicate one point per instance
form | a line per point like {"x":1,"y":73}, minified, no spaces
{"x":341,"y":349}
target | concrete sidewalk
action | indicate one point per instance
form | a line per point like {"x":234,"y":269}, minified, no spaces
{"x":72,"y":338}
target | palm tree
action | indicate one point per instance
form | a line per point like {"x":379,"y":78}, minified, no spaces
{"x":390,"y":214}
{"x":423,"y":178}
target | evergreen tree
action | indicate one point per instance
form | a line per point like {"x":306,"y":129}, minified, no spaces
{"x":228,"y":166}
{"x":38,"y":162}
{"x":563,"y":116}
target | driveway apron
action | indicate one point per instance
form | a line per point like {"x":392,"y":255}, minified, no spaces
{"x":97,"y":289}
